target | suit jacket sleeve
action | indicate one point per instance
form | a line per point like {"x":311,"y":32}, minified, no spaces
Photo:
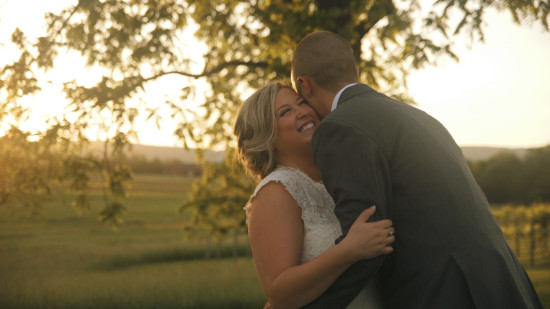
{"x":356,"y":174}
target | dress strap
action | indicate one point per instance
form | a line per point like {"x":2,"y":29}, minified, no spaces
{"x":290,"y":178}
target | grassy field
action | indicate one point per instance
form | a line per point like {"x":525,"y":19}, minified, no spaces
{"x":62,"y":260}
{"x":59,"y":259}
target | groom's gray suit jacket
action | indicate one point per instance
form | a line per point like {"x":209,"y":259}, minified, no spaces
{"x":449,"y":250}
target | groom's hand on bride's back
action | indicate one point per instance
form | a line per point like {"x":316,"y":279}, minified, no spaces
{"x":367,"y":240}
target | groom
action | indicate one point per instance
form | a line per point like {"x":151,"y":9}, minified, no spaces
{"x":373,"y":150}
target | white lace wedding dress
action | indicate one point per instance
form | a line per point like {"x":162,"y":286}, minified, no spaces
{"x":321,"y":227}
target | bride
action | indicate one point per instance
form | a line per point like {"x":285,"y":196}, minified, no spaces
{"x":291,"y":223}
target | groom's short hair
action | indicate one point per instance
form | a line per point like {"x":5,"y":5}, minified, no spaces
{"x":327,"y":58}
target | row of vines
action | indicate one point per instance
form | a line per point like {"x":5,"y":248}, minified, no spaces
{"x":527,"y":231}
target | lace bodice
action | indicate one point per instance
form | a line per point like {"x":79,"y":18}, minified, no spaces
{"x":321,"y":227}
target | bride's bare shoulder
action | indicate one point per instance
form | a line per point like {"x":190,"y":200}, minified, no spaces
{"x":272,"y":189}
{"x":273,"y":199}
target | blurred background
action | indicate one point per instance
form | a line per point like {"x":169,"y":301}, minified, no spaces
{"x":118,"y":184}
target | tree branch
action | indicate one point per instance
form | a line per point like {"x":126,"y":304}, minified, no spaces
{"x":376,"y":13}
{"x":206,"y":73}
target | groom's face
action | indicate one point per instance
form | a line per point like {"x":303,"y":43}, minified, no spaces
{"x":303,"y":85}
{"x":296,"y":83}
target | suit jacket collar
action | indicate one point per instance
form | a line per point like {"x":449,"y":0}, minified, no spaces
{"x":353,"y":91}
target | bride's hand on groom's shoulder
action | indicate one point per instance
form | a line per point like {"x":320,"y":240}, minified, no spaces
{"x":367,"y":240}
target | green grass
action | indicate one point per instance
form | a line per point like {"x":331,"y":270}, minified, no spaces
{"x":60,"y":259}
{"x":193,"y":284}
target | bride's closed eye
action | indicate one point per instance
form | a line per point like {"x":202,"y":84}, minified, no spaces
{"x":283,"y":112}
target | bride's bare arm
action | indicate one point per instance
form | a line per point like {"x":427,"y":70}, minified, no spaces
{"x":276,"y":238}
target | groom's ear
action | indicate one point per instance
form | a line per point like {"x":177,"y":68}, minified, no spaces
{"x":304,"y":86}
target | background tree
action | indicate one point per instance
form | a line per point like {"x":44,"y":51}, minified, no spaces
{"x":216,"y":200}
{"x":502,"y":178}
{"x":24,"y":183}
{"x":508,"y":179}
{"x":537,"y":175}
{"x":133,"y":44}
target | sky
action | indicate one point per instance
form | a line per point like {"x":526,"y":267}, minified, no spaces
{"x":497,"y":95}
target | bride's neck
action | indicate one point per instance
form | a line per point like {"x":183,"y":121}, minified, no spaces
{"x":304,"y":164}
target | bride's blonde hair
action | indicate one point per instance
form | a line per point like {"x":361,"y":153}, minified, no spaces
{"x":256,"y":130}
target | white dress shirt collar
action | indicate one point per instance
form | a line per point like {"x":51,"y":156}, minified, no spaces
{"x":337,"y":97}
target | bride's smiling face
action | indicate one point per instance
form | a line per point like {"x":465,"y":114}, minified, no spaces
{"x":296,"y":121}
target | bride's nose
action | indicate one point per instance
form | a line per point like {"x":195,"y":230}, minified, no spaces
{"x":301,"y":111}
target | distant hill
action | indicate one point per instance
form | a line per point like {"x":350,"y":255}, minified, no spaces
{"x":174,"y":153}
{"x":472,"y":153}
{"x":163,"y":153}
